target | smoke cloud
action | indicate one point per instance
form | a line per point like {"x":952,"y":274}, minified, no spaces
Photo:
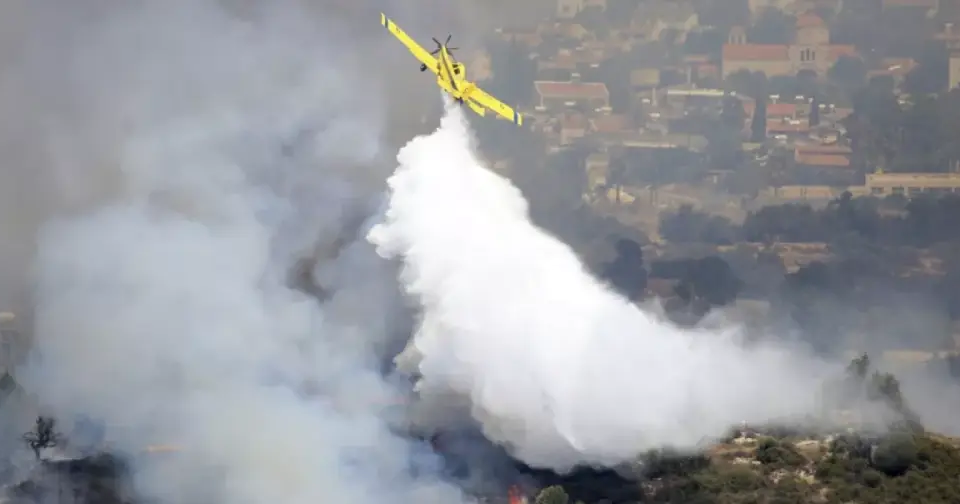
{"x":195,"y":183}
{"x":552,"y":363}
{"x":194,"y":157}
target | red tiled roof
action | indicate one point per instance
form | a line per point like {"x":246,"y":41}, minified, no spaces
{"x":836,"y":51}
{"x":696,"y":58}
{"x":613,"y":123}
{"x":809,"y":20}
{"x":930,"y":4}
{"x":835,"y":160}
{"x":842,"y":112}
{"x":581,"y":90}
{"x":755,"y":52}
{"x":781,"y":109}
{"x":564,"y":61}
{"x":786,"y":127}
{"x":574,"y":121}
{"x":822,"y":149}
{"x":904,"y":62}
{"x":773,"y":109}
{"x":707,"y":69}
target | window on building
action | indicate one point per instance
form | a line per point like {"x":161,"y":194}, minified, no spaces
{"x":876,"y":191}
{"x":898,"y":190}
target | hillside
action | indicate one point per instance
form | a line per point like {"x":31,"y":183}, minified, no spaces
{"x":846,"y":456}
{"x":898,"y":467}
{"x":867,"y":447}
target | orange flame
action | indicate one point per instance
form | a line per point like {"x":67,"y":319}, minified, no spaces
{"x":514,"y":495}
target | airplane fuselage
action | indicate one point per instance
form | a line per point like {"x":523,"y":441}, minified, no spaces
{"x":451,"y":75}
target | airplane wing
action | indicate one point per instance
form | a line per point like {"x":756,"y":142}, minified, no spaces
{"x":483,"y":98}
{"x":418,"y":51}
{"x":480,"y":111}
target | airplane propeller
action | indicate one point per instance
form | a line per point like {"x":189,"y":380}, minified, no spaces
{"x":441,"y":46}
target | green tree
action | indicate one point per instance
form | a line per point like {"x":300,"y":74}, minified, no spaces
{"x":732,"y":115}
{"x":932,"y":71}
{"x":815,"y":112}
{"x":859,"y":367}
{"x":807,"y":83}
{"x":616,"y":175}
{"x":747,"y":83}
{"x":778,"y":453}
{"x":950,"y":123}
{"x":619,"y":12}
{"x":552,"y":495}
{"x":758,"y":128}
{"x":707,"y":282}
{"x":595,"y":20}
{"x":875,"y":128}
{"x":922,"y":147}
{"x":773,"y":27}
{"x":724,"y":14}
{"x":615,"y":74}
{"x":895,"y":454}
{"x":709,"y":42}
{"x":513,"y":72}
{"x":626,"y":272}
{"x":724,"y":149}
{"x":686,"y":225}
{"x":849,"y":72}
{"x":886,"y":387}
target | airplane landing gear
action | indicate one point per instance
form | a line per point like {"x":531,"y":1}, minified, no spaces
{"x":423,"y":68}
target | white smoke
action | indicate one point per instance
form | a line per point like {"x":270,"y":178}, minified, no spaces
{"x":554,"y":365}
{"x":162,"y":306}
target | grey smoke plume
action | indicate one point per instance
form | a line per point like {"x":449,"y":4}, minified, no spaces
{"x":551,"y":363}
{"x":194,"y":156}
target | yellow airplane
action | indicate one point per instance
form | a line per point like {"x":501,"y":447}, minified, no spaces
{"x":452,"y":75}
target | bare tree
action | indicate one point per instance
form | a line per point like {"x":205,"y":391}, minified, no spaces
{"x":43,"y":435}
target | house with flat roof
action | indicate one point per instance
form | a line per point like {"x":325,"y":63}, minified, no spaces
{"x":912,"y":184}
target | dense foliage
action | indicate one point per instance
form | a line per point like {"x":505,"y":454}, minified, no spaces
{"x":918,"y":222}
{"x":899,"y":468}
{"x":903,"y":464}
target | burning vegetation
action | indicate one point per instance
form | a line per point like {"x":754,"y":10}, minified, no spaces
{"x":852,"y":461}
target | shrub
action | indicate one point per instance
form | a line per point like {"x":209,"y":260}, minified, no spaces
{"x":895,"y":454}
{"x":778,"y":453}
{"x":552,"y":495}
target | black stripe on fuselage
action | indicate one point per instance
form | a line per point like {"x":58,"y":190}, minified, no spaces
{"x":446,"y":64}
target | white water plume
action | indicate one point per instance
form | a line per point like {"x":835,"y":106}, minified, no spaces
{"x":555,"y":365}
